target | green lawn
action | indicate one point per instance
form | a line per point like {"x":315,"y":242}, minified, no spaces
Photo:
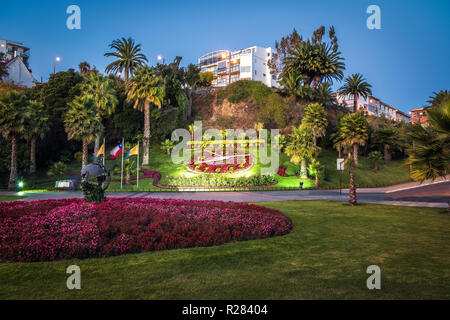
{"x":393,"y":173}
{"x":325,"y":257}
{"x":9,"y":198}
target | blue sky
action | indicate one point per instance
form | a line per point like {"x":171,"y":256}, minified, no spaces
{"x":405,"y":61}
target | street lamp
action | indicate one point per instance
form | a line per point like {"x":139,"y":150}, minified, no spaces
{"x":162,"y":58}
{"x":54,"y":64}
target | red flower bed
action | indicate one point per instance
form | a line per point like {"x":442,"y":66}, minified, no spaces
{"x":70,"y":228}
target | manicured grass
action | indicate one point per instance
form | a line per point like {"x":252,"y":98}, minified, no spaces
{"x":325,"y":257}
{"x":9,"y":198}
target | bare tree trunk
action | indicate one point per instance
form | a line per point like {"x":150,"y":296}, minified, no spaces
{"x":355,"y":153}
{"x":13,"y":167}
{"x":85,"y":153}
{"x":146,"y":142}
{"x":127,"y":177}
{"x":33,"y":155}
{"x":303,"y":172}
{"x":375,"y":165}
{"x":96,"y":144}
{"x":340,"y":153}
{"x":355,"y":103}
{"x":352,"y":192}
{"x":386,"y":154}
{"x":317,"y":181}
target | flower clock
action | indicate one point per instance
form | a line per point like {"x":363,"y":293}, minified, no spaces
{"x":230,"y":161}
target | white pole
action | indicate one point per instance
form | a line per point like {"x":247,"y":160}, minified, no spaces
{"x":137,"y":167}
{"x":121,"y":171}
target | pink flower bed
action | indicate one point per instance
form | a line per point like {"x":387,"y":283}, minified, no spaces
{"x":70,"y":228}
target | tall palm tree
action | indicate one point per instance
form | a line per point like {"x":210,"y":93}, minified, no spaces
{"x":12,"y":119}
{"x":315,"y":120}
{"x":318,"y":62}
{"x":129,"y":57}
{"x":82,"y":122}
{"x":301,"y":147}
{"x":356,"y":86}
{"x":36,"y":125}
{"x":85,"y":68}
{"x":102,"y":91}
{"x":353,"y":129}
{"x":144,"y":89}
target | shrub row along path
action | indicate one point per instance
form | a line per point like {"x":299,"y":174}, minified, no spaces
{"x":428,"y":194}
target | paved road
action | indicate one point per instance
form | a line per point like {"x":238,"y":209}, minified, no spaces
{"x":433,"y":195}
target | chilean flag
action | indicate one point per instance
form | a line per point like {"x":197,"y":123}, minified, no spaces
{"x":116,"y":151}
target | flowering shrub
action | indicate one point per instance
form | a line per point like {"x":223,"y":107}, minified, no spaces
{"x":70,"y":228}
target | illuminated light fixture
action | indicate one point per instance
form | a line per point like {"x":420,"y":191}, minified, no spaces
{"x":58,"y":59}
{"x":159,"y":58}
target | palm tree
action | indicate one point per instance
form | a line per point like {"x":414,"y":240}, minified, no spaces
{"x":318,"y":62}
{"x":375,"y":156}
{"x":85,"y":68}
{"x":36,"y":125}
{"x":146,"y":88}
{"x":337,"y":142}
{"x":353,"y":198}
{"x":356,"y":86}
{"x":129,"y":57}
{"x":353,"y":129}
{"x":167,"y":145}
{"x":429,"y":156}
{"x":315,"y":169}
{"x":386,"y":138}
{"x":291,"y":83}
{"x":315,"y":120}
{"x":12,"y":120}
{"x":58,"y":170}
{"x":83,"y":123}
{"x":102,"y":91}
{"x":301,"y":147}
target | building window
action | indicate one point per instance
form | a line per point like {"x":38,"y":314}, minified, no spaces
{"x":264,"y":74}
{"x":245,"y":69}
{"x":255,"y":72}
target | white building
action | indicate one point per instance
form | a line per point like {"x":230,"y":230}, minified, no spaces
{"x":17,"y":56}
{"x":246,"y":64}
{"x":374,"y":107}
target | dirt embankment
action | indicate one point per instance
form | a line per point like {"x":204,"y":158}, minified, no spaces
{"x":218,"y":112}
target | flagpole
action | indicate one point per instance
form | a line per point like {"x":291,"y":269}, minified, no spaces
{"x":104,"y":151}
{"x":137,"y":168}
{"x":121,"y":171}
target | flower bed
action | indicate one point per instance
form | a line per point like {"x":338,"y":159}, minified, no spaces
{"x":70,"y":228}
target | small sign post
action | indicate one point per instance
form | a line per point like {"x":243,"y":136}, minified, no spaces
{"x":340,"y":167}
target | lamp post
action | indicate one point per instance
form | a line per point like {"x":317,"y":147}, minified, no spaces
{"x":162,"y":58}
{"x":54,"y":64}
